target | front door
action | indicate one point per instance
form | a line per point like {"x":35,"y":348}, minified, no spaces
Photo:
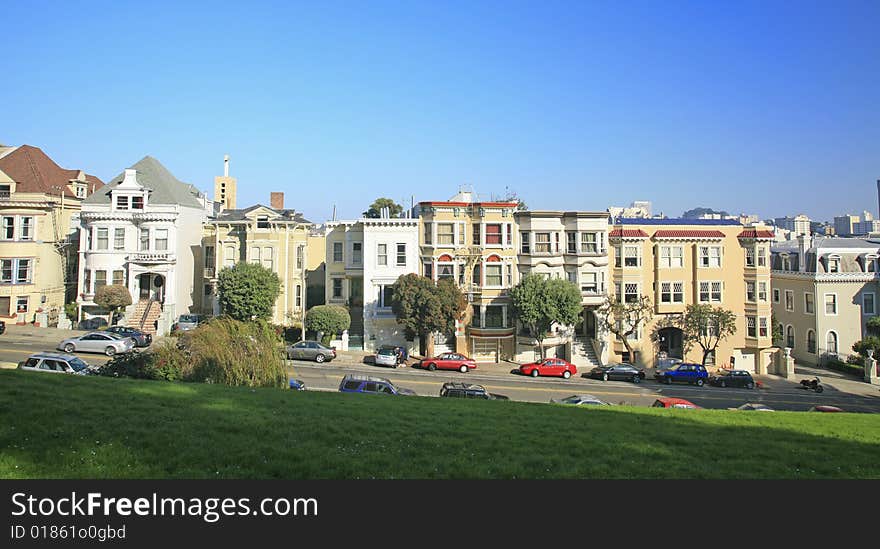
{"x":590,"y":324}
{"x":5,"y":302}
{"x":671,"y":342}
{"x":144,"y":282}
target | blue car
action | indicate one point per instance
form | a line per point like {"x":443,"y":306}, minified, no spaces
{"x":694,"y":374}
{"x":352,"y":383}
{"x":297,"y":385}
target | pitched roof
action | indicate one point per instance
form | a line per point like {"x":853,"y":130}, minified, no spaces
{"x":241,"y":214}
{"x":166,"y":189}
{"x":34,"y":172}
{"x":671,"y":221}
{"x":756,"y":233}
{"x":688,"y":233}
{"x":627,"y":233}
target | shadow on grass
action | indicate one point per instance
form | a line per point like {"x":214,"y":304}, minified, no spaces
{"x":73,"y":427}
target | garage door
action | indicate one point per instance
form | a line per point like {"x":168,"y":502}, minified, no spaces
{"x":746,"y":361}
{"x":485,"y":350}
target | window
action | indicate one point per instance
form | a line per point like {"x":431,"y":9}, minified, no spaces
{"x":6,"y":269}
{"x":144,"y":242}
{"x":337,"y":288}
{"x":8,"y":228}
{"x":833,"y":264}
{"x":476,"y":235}
{"x":750,"y":257}
{"x":524,"y":243}
{"x":509,"y":234}
{"x":382,"y":254}
{"x":631,"y":256}
{"x":789,"y":336}
{"x":269,"y":258}
{"x":87,"y":281}
{"x":357,"y":253}
{"x":789,"y":300}
{"x":209,"y":257}
{"x":229,"y":257}
{"x":831,"y":343}
{"x":775,"y":295}
{"x":494,"y":316}
{"x":571,"y":242}
{"x":809,"y":307}
{"x":262,"y":221}
{"x":298,"y":296}
{"x":15,"y":271}
{"x":445,"y":233}
{"x":762,"y":291}
{"x":750,"y":326}
{"x":476,"y":275}
{"x":750,"y":291}
{"x":256,"y":255}
{"x":427,"y":235}
{"x":493,"y":275}
{"x":493,"y":233}
{"x":21,"y":304}
{"x":868,"y":304}
{"x":631,"y":293}
{"x":100,"y":279}
{"x":428,"y":269}
{"x":26,"y":231}
{"x":672,"y":292}
{"x":477,"y":321}
{"x":119,"y":278}
{"x":161,"y":243}
{"x":830,"y":304}
{"x":401,"y":255}
{"x":23,"y":276}
{"x":590,"y":283}
{"x":589,"y":243}
{"x":762,"y":326}
{"x":710,"y":256}
{"x":671,"y":257}
{"x":618,"y":256}
{"x":509,"y":274}
{"x":386,"y":294}
{"x":811,"y":342}
{"x":556,"y":248}
{"x":762,"y":256}
{"x":102,"y":238}
{"x":710,"y":292}
{"x":337,"y":252}
{"x":300,"y":252}
{"x":870,"y":264}
{"x":445,"y":270}
{"x":785,"y":262}
{"x":119,"y":238}
{"x":121,"y":202}
{"x":542,"y":243}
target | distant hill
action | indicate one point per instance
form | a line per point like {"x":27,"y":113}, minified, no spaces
{"x":697,"y":212}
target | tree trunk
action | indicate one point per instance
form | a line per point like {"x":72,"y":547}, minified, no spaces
{"x":705,"y":355}
{"x":423,"y":344}
{"x":632,"y":358}
{"x":541,"y":348}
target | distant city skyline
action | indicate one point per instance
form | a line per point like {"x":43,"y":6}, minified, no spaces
{"x":760,"y":108}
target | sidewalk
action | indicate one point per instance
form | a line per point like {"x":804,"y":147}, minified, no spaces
{"x":31,"y":331}
{"x":841,"y":381}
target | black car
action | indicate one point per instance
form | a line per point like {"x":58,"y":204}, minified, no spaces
{"x":2,"y":327}
{"x":141,"y":339}
{"x":733,"y":378}
{"x":468,"y":390}
{"x":622,"y":372}
{"x":94,"y":323}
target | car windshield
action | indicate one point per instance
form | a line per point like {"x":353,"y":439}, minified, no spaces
{"x":77,"y":364}
{"x":386,"y":351}
{"x":189,"y":318}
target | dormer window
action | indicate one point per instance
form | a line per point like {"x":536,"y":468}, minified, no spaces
{"x":5,"y":192}
{"x":263,"y":222}
{"x":80,"y":191}
{"x":137,"y":202}
{"x":785,"y":261}
{"x":833,"y":264}
{"x":870,"y":263}
{"x":121,"y":202}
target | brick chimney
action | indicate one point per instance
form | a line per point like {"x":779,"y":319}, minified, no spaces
{"x":276,"y":201}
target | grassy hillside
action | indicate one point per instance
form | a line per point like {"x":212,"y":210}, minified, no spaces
{"x":54,"y":426}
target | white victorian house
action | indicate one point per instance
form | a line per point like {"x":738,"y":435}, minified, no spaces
{"x":143,"y":230}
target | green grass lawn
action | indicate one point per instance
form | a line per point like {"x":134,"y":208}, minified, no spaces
{"x":58,"y":426}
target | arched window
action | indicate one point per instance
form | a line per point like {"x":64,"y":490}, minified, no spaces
{"x":831,"y":343}
{"x":811,"y":341}
{"x":789,"y":336}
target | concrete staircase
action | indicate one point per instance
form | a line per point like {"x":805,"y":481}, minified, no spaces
{"x":146,"y":313}
{"x":583,"y":355}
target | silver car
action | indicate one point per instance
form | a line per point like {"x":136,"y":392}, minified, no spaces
{"x":580,"y":400}
{"x":98,"y":342}
{"x":56,"y":363}
{"x":310,"y":350}
{"x":387,"y":357}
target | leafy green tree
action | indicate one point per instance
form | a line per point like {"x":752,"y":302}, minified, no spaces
{"x":776,"y":330}
{"x":375,"y":209}
{"x":707,"y":326}
{"x":329,"y":319}
{"x":873,"y":325}
{"x":538,"y":303}
{"x":423,"y":307}
{"x":870,"y":342}
{"x":453,"y":303}
{"x":248,"y":291}
{"x":623,"y":318}
{"x":112,"y":298}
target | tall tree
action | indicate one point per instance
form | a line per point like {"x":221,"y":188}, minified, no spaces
{"x":375,"y":210}
{"x":248,"y":291}
{"x":623,"y":318}
{"x":707,"y":326}
{"x":422,"y":307}
{"x":538,"y":303}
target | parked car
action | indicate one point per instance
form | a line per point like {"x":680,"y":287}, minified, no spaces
{"x":580,"y":400}
{"x":456,"y":389}
{"x":310,"y":350}
{"x":753,"y":406}
{"x":549,"y":367}
{"x":387,"y":356}
{"x":401,"y":351}
{"x":141,"y":339}
{"x":825,"y":408}
{"x":667,"y":363}
{"x":2,"y":327}
{"x":732,"y":378}
{"x":449,"y":361}
{"x":684,"y":373}
{"x":94,"y":323}
{"x":98,"y":342}
{"x":57,"y":363}
{"x":622,"y":372}
{"x":353,"y":383}
{"x":668,"y":402}
{"x":186,"y":322}
{"x":297,"y":385}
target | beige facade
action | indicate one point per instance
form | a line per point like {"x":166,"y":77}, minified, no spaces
{"x":475,"y":244}
{"x":39,"y":209}
{"x":678,"y":262}
{"x":824,"y":292}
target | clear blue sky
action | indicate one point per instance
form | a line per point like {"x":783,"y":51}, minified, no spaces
{"x":759,"y":107}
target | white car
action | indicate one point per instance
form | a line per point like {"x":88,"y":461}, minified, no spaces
{"x":386,"y":357}
{"x":98,"y":342}
{"x":580,"y":400}
{"x":56,"y":363}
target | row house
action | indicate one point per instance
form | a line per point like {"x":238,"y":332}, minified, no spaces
{"x":39,"y":206}
{"x":272,"y":236}
{"x":475,"y":244}
{"x":824,"y":292}
{"x":677,"y":262}
{"x":364,"y":258}
{"x":144,"y":230}
{"x":572,"y":246}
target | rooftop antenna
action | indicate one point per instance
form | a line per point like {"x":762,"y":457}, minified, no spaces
{"x":225,"y":165}
{"x":334,"y":213}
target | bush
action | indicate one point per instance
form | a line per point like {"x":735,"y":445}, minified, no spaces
{"x":330,"y":319}
{"x":840,"y":366}
{"x":248,"y":291}
{"x":164,"y":362}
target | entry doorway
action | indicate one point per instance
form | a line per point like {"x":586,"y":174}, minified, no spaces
{"x":151,"y":286}
{"x":671,"y":342}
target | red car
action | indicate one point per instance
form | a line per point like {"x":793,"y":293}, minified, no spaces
{"x":449,"y":361}
{"x":549,"y":367}
{"x":666,"y":402}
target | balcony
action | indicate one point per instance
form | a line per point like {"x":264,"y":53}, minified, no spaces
{"x":152,"y":258}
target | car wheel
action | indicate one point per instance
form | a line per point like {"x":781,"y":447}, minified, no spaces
{"x":723,"y":383}
{"x":535,"y":373}
{"x":432,"y":367}
{"x":699,"y":383}
{"x":319,"y":358}
{"x":604,"y":377}
{"x":750,"y":385}
{"x":463,"y":369}
{"x":110,"y":350}
{"x":566,"y":374}
{"x":637,"y":379}
{"x":289,"y":356}
{"x":69,"y":348}
{"x":819,"y":388}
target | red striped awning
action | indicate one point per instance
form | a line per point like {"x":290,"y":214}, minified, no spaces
{"x":627,"y":233}
{"x":756,"y":234}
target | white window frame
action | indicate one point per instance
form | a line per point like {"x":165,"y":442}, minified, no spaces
{"x":836,"y":342}
{"x":873,"y":310}
{"x":485,"y":274}
{"x":338,"y":247}
{"x":789,"y":300}
{"x":762,"y":291}
{"x":628,"y":255}
{"x":754,"y":291}
{"x":116,"y":234}
{"x":30,"y":227}
{"x":710,"y":260}
{"x":401,"y":253}
{"x":382,"y":255}
{"x":710,"y":291}
{"x":825,"y":303}
{"x":809,"y":305}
